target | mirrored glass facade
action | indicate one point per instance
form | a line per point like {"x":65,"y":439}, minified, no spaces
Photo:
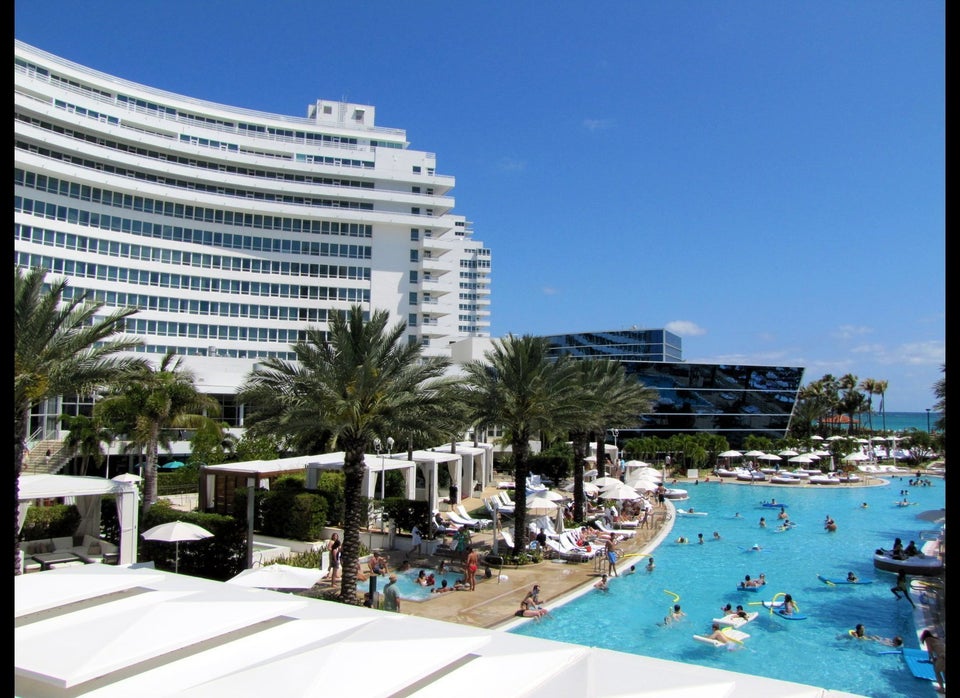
{"x":730,"y":400}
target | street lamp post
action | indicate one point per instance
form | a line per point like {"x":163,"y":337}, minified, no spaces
{"x":928,"y":420}
{"x":383,"y":474}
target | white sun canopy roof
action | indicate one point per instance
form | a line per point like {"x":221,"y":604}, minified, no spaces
{"x":100,"y":630}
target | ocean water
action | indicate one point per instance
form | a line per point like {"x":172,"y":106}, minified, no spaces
{"x":900,"y":421}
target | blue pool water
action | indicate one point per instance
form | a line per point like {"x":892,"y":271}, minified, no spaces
{"x":407,"y":584}
{"x":814,"y":651}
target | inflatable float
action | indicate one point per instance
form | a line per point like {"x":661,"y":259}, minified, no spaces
{"x":735,"y":621}
{"x":736,"y":637}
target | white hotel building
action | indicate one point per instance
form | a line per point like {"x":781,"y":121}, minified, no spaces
{"x":233,"y":230}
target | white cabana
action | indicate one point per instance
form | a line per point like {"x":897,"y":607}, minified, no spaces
{"x":188,"y":636}
{"x":375,"y":466}
{"x":88,"y":492}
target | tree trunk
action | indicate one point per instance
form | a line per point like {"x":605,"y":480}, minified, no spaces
{"x":353,"y":467}
{"x":521,"y":469}
{"x":580,"y":447}
{"x":21,"y":425}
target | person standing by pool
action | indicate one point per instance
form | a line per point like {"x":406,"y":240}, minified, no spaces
{"x":937,"y":650}
{"x":612,"y":556}
{"x":902,"y":586}
{"x":334,"y":548}
{"x":416,"y":540}
{"x":472,"y":563}
{"x":391,"y":596}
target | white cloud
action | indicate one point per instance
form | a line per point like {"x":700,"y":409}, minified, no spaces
{"x":597,"y":124}
{"x":512,"y":164}
{"x":851,"y":331}
{"x":685,"y":328}
{"x":549,"y":291}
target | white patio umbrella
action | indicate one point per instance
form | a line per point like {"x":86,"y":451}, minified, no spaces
{"x":636,"y":464}
{"x":816,"y":437}
{"x":754,"y":454}
{"x":801,"y":459}
{"x":619,"y":491}
{"x":788,"y":452}
{"x":174,"y":532}
{"x":589,"y":489}
{"x":278,"y":577}
{"x":855,"y":456}
{"x":602,"y":482}
{"x":126,"y":477}
{"x":769,"y":456}
{"x":731,"y":454}
{"x":553,"y":496}
{"x":541,"y":506}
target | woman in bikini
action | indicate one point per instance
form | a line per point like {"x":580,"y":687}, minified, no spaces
{"x":472,"y":563}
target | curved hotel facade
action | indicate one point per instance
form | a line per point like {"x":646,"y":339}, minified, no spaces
{"x":233,"y":230}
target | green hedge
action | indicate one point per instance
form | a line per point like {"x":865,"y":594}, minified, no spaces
{"x":56,"y":521}
{"x":220,"y":557}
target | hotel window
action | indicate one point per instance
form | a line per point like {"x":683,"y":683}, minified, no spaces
{"x":412,"y":320}
{"x":413,"y":297}
{"x":414,"y":234}
{"x":414,"y":276}
{"x":414,"y":256}
{"x":416,"y":169}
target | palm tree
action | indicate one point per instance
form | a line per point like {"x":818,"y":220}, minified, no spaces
{"x":86,"y":434}
{"x":607,"y":397}
{"x":59,"y":348}
{"x":518,"y":387}
{"x":881,"y":388}
{"x":358,"y":380}
{"x":869,"y":386}
{"x":940,"y":392}
{"x":148,"y":405}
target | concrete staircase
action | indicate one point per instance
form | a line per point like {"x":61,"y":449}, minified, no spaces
{"x":38,"y":463}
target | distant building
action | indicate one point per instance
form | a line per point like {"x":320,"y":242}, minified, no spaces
{"x":730,"y":400}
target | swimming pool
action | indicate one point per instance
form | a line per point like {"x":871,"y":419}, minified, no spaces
{"x":408,"y":587}
{"x":814,"y":651}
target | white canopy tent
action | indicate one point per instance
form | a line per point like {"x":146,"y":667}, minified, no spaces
{"x":88,"y":492}
{"x":181,"y":635}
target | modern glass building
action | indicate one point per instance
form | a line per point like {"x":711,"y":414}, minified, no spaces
{"x":730,"y":400}
{"x":230,"y":229}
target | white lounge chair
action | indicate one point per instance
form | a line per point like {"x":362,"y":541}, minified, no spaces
{"x":623,"y":533}
{"x":460,"y":517}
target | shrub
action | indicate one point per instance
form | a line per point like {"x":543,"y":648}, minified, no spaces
{"x":56,"y":521}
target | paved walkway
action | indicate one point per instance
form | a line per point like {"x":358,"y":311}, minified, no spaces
{"x":497,"y":597}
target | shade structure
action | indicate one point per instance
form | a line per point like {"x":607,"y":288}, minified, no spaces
{"x":788,"y":452}
{"x":602,"y":482}
{"x":172,"y":465}
{"x":754,"y":454}
{"x":174,"y":532}
{"x":619,"y":491}
{"x":553,"y":496}
{"x":855,"y":456}
{"x":769,"y":456}
{"x":816,"y":437}
{"x":278,"y":576}
{"x":589,"y":488}
{"x":541,"y":506}
{"x":126,"y":477}
{"x":801,"y":459}
{"x":731,"y":454}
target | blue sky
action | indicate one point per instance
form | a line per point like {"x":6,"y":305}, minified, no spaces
{"x":766,"y":179}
